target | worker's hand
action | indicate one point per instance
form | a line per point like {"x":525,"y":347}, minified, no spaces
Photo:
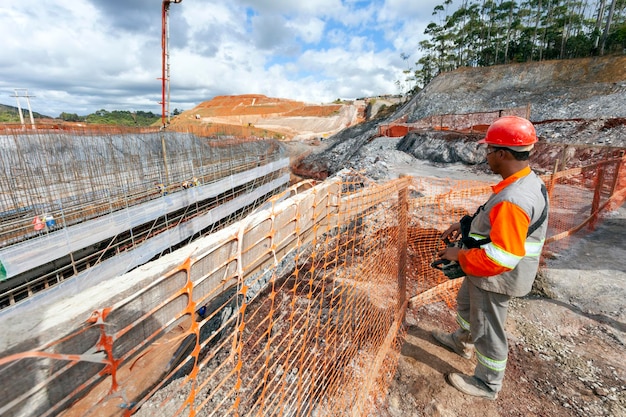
{"x":453,"y":233}
{"x":450,"y":253}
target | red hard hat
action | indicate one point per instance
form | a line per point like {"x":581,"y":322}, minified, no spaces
{"x":511,"y":132}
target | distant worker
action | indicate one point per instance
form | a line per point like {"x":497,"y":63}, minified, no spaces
{"x":161,"y":188}
{"x":50,"y":221}
{"x":38,"y":224}
{"x":497,"y":250}
{"x":201,"y":313}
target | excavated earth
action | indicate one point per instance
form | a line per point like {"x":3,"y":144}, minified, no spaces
{"x":259,"y":115}
{"x":567,"y":339}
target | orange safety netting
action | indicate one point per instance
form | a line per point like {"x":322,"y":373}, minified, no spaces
{"x":295,"y":310}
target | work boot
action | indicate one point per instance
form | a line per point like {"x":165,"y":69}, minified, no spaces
{"x":451,"y":341}
{"x":471,"y":385}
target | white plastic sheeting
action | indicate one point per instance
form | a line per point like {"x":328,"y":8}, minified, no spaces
{"x":30,"y":254}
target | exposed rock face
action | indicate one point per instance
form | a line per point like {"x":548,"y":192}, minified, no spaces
{"x":345,"y":145}
{"x":443,"y":147}
{"x":602,"y":131}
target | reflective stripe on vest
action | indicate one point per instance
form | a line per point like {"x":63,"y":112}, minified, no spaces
{"x":477,"y":236}
{"x":501,"y":257}
{"x":532,"y":249}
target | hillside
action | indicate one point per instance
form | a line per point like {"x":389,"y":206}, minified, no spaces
{"x":586,"y":88}
{"x":9,"y":114}
{"x":259,"y":115}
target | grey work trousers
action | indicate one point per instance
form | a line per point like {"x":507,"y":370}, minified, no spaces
{"x":481,"y":316}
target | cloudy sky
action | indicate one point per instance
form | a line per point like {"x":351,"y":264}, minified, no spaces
{"x":79,"y":56}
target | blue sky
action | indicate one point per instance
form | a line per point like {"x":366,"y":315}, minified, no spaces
{"x":80,"y":56}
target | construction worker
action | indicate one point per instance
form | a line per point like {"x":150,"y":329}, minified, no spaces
{"x":161,"y":188}
{"x":50,"y":221}
{"x":499,"y":256}
{"x":38,"y":224}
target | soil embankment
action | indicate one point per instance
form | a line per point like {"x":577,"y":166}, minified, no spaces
{"x":259,"y":115}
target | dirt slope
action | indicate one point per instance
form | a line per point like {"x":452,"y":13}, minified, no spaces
{"x":286,"y":119}
{"x":587,"y":88}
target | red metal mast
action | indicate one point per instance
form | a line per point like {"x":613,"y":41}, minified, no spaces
{"x":165,"y":76}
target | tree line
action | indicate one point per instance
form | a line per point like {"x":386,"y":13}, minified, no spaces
{"x":491,"y":32}
{"x":9,"y":114}
{"x":115,"y":117}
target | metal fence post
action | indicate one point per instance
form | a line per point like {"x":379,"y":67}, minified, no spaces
{"x":595,"y":205}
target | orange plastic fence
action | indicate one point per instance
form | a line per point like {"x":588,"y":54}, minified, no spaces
{"x":296,"y":310}
{"x":468,"y":122}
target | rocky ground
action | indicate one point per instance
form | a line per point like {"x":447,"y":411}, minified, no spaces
{"x":384,"y":158}
{"x":563,"y":361}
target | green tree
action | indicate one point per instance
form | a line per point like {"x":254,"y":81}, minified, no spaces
{"x":69,"y":117}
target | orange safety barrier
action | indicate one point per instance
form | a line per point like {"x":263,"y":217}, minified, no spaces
{"x":295,"y":310}
{"x":460,"y":122}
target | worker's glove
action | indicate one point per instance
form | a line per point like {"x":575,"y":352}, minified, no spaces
{"x":451,"y":269}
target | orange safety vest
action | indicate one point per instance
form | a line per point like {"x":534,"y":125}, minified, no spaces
{"x":507,"y":264}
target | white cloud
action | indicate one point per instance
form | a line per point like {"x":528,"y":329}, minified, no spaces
{"x":85,"y":55}
{"x":310,"y":30}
